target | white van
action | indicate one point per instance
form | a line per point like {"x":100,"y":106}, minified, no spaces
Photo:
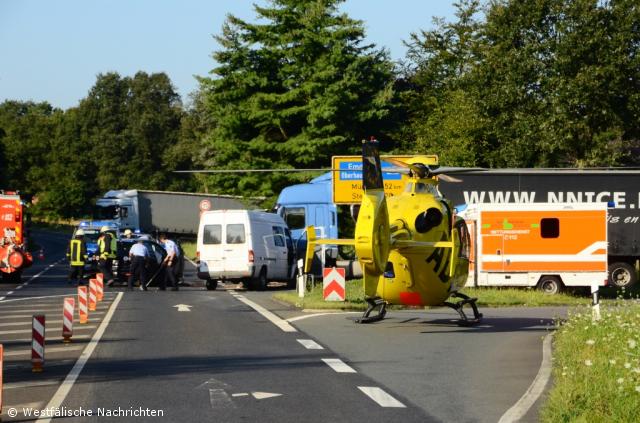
{"x":253,"y":247}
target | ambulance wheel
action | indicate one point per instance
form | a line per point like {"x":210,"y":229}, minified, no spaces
{"x":211,"y":285}
{"x":260,"y":283}
{"x":622,"y":275}
{"x":550,"y":285}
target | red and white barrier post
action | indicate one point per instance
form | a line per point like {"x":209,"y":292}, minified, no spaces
{"x":1,"y":370}
{"x":67,"y":319}
{"x":99,"y":289}
{"x":92,"y":294}
{"x":83,"y":312}
{"x":37,"y":343}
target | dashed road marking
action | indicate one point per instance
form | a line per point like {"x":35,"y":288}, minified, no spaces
{"x":381,"y":397}
{"x":20,"y":385}
{"x":15,"y":331}
{"x":339,"y":365}
{"x":49,"y":350}
{"x":306,"y":316}
{"x":310,"y":344}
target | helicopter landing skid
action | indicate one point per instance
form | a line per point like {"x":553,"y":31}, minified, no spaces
{"x":373,"y":304}
{"x":464,"y":320}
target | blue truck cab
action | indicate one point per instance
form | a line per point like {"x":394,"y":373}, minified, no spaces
{"x":308,"y":204}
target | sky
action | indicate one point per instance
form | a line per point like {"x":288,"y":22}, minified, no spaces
{"x":52,"y":50}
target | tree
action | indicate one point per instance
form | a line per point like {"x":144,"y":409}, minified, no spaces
{"x":293,"y":92}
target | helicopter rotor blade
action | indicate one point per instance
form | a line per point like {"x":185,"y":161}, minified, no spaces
{"x":444,"y":169}
{"x":255,"y":170}
{"x":419,"y":171}
{"x":448,"y":178}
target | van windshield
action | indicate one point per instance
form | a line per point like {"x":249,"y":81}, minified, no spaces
{"x":235,"y":233}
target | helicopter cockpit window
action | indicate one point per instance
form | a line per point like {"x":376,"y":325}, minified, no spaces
{"x":294,"y":216}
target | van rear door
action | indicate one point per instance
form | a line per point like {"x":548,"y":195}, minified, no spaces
{"x":236,"y":251}
{"x":211,"y":250}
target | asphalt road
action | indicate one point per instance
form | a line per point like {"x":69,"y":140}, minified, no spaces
{"x":223,"y":361}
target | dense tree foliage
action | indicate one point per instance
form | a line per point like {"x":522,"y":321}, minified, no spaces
{"x":292,"y":92}
{"x":505,"y":84}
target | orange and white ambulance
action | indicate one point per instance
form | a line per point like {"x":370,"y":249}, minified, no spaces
{"x":546,"y":245}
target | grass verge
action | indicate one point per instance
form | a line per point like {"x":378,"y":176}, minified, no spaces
{"x":189,"y":248}
{"x":488,"y":297}
{"x":596,"y":367}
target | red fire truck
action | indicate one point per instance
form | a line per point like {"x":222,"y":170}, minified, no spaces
{"x":14,"y":256}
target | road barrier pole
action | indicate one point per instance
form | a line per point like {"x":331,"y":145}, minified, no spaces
{"x":100,"y":289}
{"x":92,"y":294}
{"x":37,"y":343}
{"x":82,"y":305}
{"x":67,"y":319}
{"x":100,"y":277}
{"x":595,"y":302}
{"x":1,"y":370}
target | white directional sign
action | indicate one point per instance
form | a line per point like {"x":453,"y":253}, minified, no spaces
{"x":333,"y":284}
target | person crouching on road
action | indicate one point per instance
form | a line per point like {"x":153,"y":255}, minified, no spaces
{"x":170,"y":263}
{"x":77,"y":255}
{"x":138,"y":256}
{"x":106,"y":255}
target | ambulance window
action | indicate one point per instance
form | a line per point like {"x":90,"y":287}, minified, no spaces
{"x":235,"y":233}
{"x":294,"y":216}
{"x":212,"y":234}
{"x":550,"y":227}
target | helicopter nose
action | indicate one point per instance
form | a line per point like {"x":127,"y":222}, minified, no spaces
{"x":428,"y":219}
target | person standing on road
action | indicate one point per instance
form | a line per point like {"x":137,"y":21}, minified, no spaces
{"x":138,"y":256}
{"x":77,"y":255}
{"x":106,"y":255}
{"x":170,"y":263}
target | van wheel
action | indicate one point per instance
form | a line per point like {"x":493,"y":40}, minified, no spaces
{"x":622,"y":275}
{"x":211,"y":285}
{"x":260,"y":283}
{"x":550,"y":285}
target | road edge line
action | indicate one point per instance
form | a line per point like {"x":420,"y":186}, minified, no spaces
{"x":281,"y":323}
{"x":520,"y":408}
{"x":67,"y":384}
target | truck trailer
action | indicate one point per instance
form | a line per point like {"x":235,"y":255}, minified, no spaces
{"x":151,"y":212}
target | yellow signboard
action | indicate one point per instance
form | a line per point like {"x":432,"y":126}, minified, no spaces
{"x":347,"y":177}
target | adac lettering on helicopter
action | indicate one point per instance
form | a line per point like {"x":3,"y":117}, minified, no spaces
{"x":440,"y":264}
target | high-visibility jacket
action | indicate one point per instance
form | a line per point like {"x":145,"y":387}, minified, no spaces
{"x":77,"y":252}
{"x":106,"y":247}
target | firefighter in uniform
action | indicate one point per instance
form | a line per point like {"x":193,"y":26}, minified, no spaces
{"x":77,"y":255}
{"x":138,"y":256}
{"x":106,"y":254}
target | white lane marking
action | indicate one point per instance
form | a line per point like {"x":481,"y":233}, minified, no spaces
{"x":71,"y":378}
{"x":19,"y":286}
{"x":20,"y":407}
{"x":339,"y":365}
{"x":14,"y":331}
{"x":48,"y":322}
{"x":520,"y":408}
{"x":20,"y":385}
{"x":49,"y":350}
{"x":37,"y":275}
{"x":23,"y":316}
{"x":306,"y":316}
{"x":220,"y":399}
{"x":241,"y":394}
{"x":282,"y":324}
{"x":37,"y":298}
{"x":9,"y":293}
{"x":381,"y":397}
{"x":310,"y":344}
{"x":264,"y":395}
{"x":49,"y":339}
{"x":183,"y":307}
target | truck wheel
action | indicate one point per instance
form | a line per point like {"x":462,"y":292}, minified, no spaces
{"x":211,"y":285}
{"x":260,"y":283}
{"x":622,"y":275}
{"x":550,"y":285}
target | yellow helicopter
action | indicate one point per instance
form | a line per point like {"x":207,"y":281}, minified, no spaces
{"x":412,"y":247}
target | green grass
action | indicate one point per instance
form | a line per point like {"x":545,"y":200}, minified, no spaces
{"x":189,"y":248}
{"x":596,"y":367}
{"x":488,"y":297}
